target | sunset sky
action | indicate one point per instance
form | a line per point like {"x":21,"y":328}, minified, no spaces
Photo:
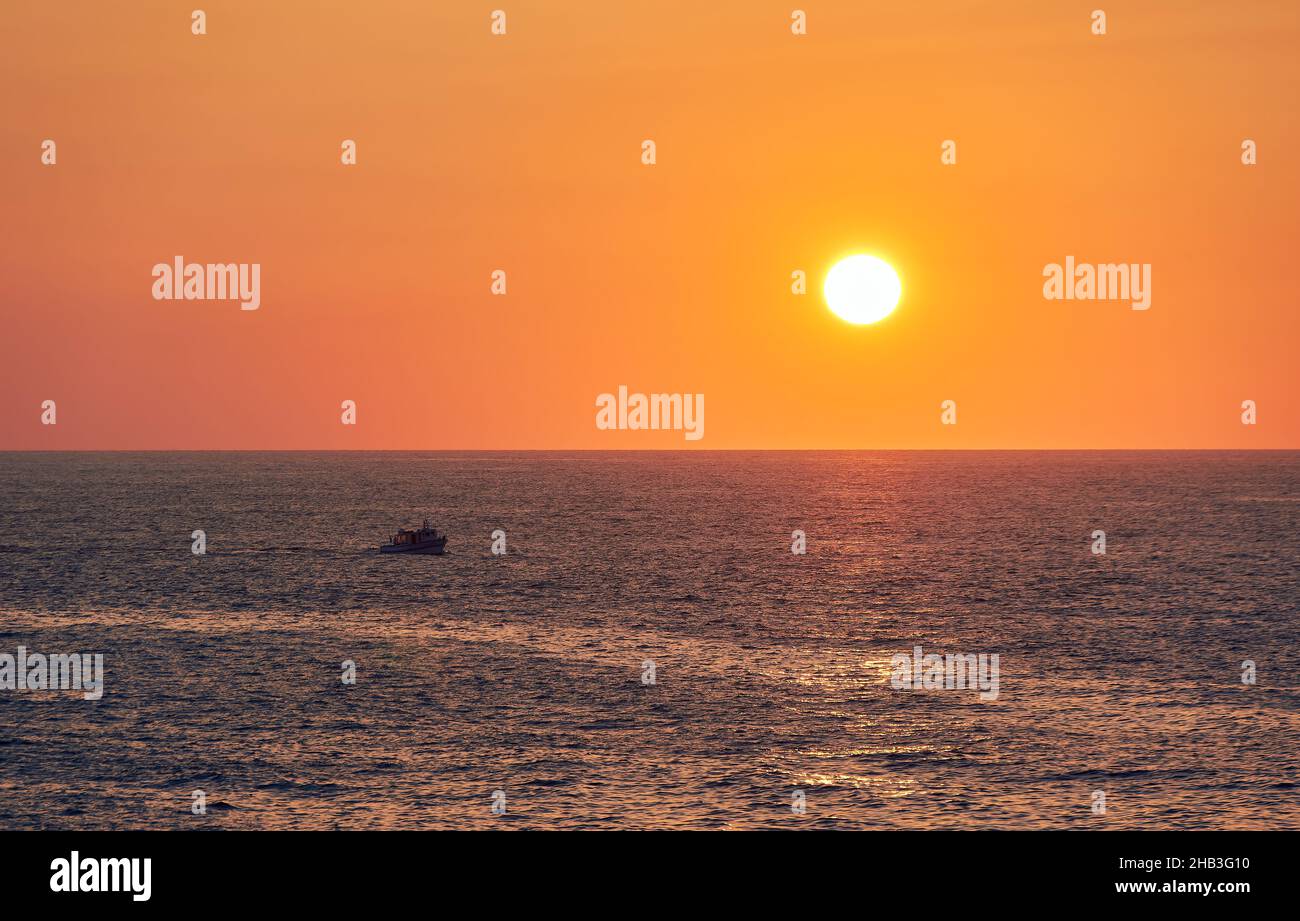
{"x":522,"y":152}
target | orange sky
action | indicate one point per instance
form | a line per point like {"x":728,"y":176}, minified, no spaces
{"x":522,"y":152}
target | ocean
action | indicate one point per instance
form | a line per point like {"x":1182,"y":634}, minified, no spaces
{"x":513,"y":690}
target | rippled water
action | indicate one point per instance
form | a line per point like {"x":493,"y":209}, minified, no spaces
{"x":1119,"y":673}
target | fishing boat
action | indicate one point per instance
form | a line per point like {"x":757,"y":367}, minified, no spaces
{"x":423,"y":540}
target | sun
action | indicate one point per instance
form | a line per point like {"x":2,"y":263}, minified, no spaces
{"x":862,"y":289}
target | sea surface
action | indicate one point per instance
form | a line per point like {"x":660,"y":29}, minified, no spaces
{"x":524,"y":672}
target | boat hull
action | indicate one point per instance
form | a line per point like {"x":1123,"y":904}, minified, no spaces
{"x":426,"y":548}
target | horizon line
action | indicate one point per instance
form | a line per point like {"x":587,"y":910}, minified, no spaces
{"x":684,"y":451}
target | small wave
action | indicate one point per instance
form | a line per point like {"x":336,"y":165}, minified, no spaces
{"x":1101,"y":774}
{"x":298,"y":786}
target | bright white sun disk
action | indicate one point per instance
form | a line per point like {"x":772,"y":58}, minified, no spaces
{"x":862,"y":289}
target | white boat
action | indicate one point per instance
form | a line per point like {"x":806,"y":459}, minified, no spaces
{"x":424,"y":540}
